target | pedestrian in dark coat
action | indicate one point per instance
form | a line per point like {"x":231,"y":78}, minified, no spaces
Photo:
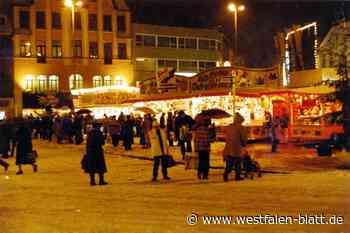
{"x":24,"y":154}
{"x":127,"y":131}
{"x":95,"y":161}
{"x":4,"y":146}
{"x":236,"y":139}
{"x":202,"y":140}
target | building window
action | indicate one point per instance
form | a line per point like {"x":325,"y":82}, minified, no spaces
{"x":212,"y":45}
{"x":163,"y":41}
{"x":168,"y":42}
{"x":41,"y":51}
{"x":2,"y":20}
{"x":181,"y":42}
{"x":122,"y":52}
{"x":56,"y":48}
{"x":77,"y":21}
{"x":41,"y":83}
{"x":107,"y":81}
{"x":93,"y":50}
{"x":107,"y":23}
{"x":24,"y":19}
{"x":92,"y":22}
{"x":121,"y":23}
{"x":29,"y":83}
{"x":190,"y":43}
{"x":56,"y":20}
{"x":119,"y":81}
{"x":167,"y":64}
{"x":53,"y":83}
{"x":77,"y":50}
{"x":206,"y":65}
{"x":108,"y":53}
{"x":25,"y":49}
{"x":40,"y":20}
{"x":204,"y":44}
{"x":97,"y":81}
{"x":145,"y":40}
{"x":75,"y":81}
{"x":188,"y":66}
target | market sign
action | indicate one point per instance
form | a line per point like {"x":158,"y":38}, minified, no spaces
{"x":221,"y":78}
{"x":104,"y":98}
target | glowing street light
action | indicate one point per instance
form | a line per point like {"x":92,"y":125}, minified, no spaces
{"x":72,"y":4}
{"x":233,"y":8}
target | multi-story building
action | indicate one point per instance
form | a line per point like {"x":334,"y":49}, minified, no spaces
{"x":187,"y":50}
{"x":63,"y":45}
{"x":6,"y":64}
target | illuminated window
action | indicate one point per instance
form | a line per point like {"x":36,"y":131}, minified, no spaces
{"x":93,"y":50}
{"x":41,"y":83}
{"x":56,"y":48}
{"x":107,"y":80}
{"x":75,"y":81}
{"x":119,"y":81}
{"x":25,"y":49}
{"x":53,"y":83}
{"x":29,"y":83}
{"x":97,"y":81}
{"x":77,"y":48}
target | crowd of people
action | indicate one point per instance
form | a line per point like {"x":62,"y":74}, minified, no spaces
{"x":171,"y":129}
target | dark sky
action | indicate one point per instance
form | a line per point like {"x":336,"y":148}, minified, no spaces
{"x":257,"y":25}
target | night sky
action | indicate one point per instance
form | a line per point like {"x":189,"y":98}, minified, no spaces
{"x":256,"y":25}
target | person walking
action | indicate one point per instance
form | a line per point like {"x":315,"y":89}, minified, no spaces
{"x":275,"y":132}
{"x":127,"y":131}
{"x":114,"y":129}
{"x":159,"y":148}
{"x":235,"y":138}
{"x":202,"y":140}
{"x":170,"y":128}
{"x":95,"y":161}
{"x":4,"y":145}
{"x":24,"y":148}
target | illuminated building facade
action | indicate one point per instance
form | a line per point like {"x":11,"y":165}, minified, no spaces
{"x":187,"y":50}
{"x":335,"y":45}
{"x":58,"y":48}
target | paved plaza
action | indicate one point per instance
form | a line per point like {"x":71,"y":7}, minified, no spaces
{"x":59,"y":199}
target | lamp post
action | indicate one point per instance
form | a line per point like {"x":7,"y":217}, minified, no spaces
{"x":72,"y":4}
{"x":233,"y":8}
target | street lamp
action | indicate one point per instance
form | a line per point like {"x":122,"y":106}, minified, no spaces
{"x":72,"y":4}
{"x":233,"y":8}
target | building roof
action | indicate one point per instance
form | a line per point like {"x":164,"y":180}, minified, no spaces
{"x":177,"y":31}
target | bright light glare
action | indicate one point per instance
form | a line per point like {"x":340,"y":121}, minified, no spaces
{"x":68,"y":3}
{"x":79,"y":3}
{"x":231,"y":7}
{"x":241,"y":8}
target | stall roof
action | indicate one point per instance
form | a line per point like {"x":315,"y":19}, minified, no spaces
{"x":243,"y":92}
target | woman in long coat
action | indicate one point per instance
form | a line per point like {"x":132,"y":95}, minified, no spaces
{"x":95,"y":161}
{"x":24,"y":153}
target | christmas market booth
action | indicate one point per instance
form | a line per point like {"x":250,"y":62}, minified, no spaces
{"x":304,"y":112}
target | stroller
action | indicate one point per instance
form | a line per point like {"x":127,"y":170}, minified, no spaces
{"x":250,"y":166}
